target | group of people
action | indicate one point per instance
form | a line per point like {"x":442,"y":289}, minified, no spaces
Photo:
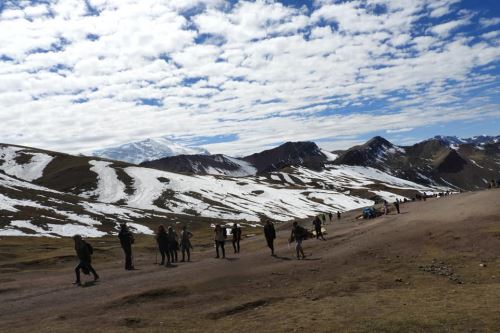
{"x":169,"y":243}
{"x":396,"y":205}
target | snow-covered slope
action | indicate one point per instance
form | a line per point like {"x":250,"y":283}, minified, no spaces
{"x":117,"y":192}
{"x":30,"y":210}
{"x":147,"y":150}
{"x":218,"y":165}
{"x":282,"y":196}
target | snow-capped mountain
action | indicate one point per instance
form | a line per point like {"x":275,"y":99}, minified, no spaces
{"x":54,"y":194}
{"x":460,"y":163}
{"x":479,"y":140}
{"x":147,"y":150}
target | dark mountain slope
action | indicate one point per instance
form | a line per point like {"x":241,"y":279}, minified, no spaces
{"x":306,"y":154}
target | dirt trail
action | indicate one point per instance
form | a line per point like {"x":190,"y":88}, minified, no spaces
{"x":359,"y":258}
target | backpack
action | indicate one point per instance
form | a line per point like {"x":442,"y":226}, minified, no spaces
{"x":89,"y":248}
{"x":301,"y":233}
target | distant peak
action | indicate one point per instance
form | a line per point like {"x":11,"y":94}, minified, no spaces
{"x":379,"y":141}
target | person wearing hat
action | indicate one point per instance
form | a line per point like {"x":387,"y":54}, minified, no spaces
{"x":126,"y":241}
{"x":84,"y":252}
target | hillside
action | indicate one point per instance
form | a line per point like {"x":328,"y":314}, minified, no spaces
{"x":433,"y":268}
{"x":306,"y":154}
{"x":218,"y":165}
{"x":297,"y":192}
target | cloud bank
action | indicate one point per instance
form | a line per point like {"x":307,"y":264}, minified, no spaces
{"x":81,"y":75}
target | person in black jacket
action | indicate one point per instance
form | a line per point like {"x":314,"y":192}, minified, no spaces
{"x":84,"y":252}
{"x":317,"y":227}
{"x":236,"y":232}
{"x":162,"y":240}
{"x":186,"y":243}
{"x":270,"y":235}
{"x":298,"y":235}
{"x":126,"y":241}
{"x":173,"y":244}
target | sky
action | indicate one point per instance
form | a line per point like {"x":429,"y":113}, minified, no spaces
{"x":237,"y":77}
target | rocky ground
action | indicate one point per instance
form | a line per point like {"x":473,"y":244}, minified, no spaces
{"x":433,"y":268}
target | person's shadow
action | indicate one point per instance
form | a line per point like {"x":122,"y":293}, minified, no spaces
{"x":281,"y":258}
{"x":89,"y":284}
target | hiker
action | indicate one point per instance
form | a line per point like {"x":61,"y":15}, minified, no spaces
{"x":173,"y":244}
{"x":396,"y":204}
{"x":338,"y":215}
{"x":298,"y":235}
{"x":330,"y":215}
{"x":84,"y":252}
{"x":236,"y":232}
{"x":186,"y":243}
{"x":162,"y":240}
{"x":220,"y":238}
{"x":126,"y":241}
{"x":317,"y":227}
{"x":386,"y":207}
{"x":270,"y":235}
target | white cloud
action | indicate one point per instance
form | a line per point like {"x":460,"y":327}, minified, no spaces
{"x":489,"y":22}
{"x":445,"y":29}
{"x":399,"y":130}
{"x":261,"y":70}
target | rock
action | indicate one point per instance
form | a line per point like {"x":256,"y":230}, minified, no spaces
{"x":482,"y":265}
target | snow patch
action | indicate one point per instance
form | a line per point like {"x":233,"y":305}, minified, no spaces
{"x":329,"y":156}
{"x":27,"y":171}
{"x":388,"y":196}
{"x":109,"y":187}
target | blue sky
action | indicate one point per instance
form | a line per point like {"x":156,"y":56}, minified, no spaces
{"x":238,"y":77}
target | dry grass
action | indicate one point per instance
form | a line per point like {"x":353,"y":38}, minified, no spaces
{"x":404,"y":273}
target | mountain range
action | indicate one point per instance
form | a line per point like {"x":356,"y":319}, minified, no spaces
{"x":55,"y":194}
{"x":466,"y":164}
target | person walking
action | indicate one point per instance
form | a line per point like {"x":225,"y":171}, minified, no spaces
{"x":298,"y":235}
{"x":220,"y":239}
{"x":162,"y":241}
{"x":173,"y":244}
{"x":317,"y":228}
{"x":338,"y":215}
{"x":236,"y":232}
{"x":396,"y":204}
{"x":270,"y":235}
{"x":126,"y":241}
{"x":186,"y":243}
{"x":84,"y":252}
{"x":386,"y":207}
{"x":330,"y":215}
